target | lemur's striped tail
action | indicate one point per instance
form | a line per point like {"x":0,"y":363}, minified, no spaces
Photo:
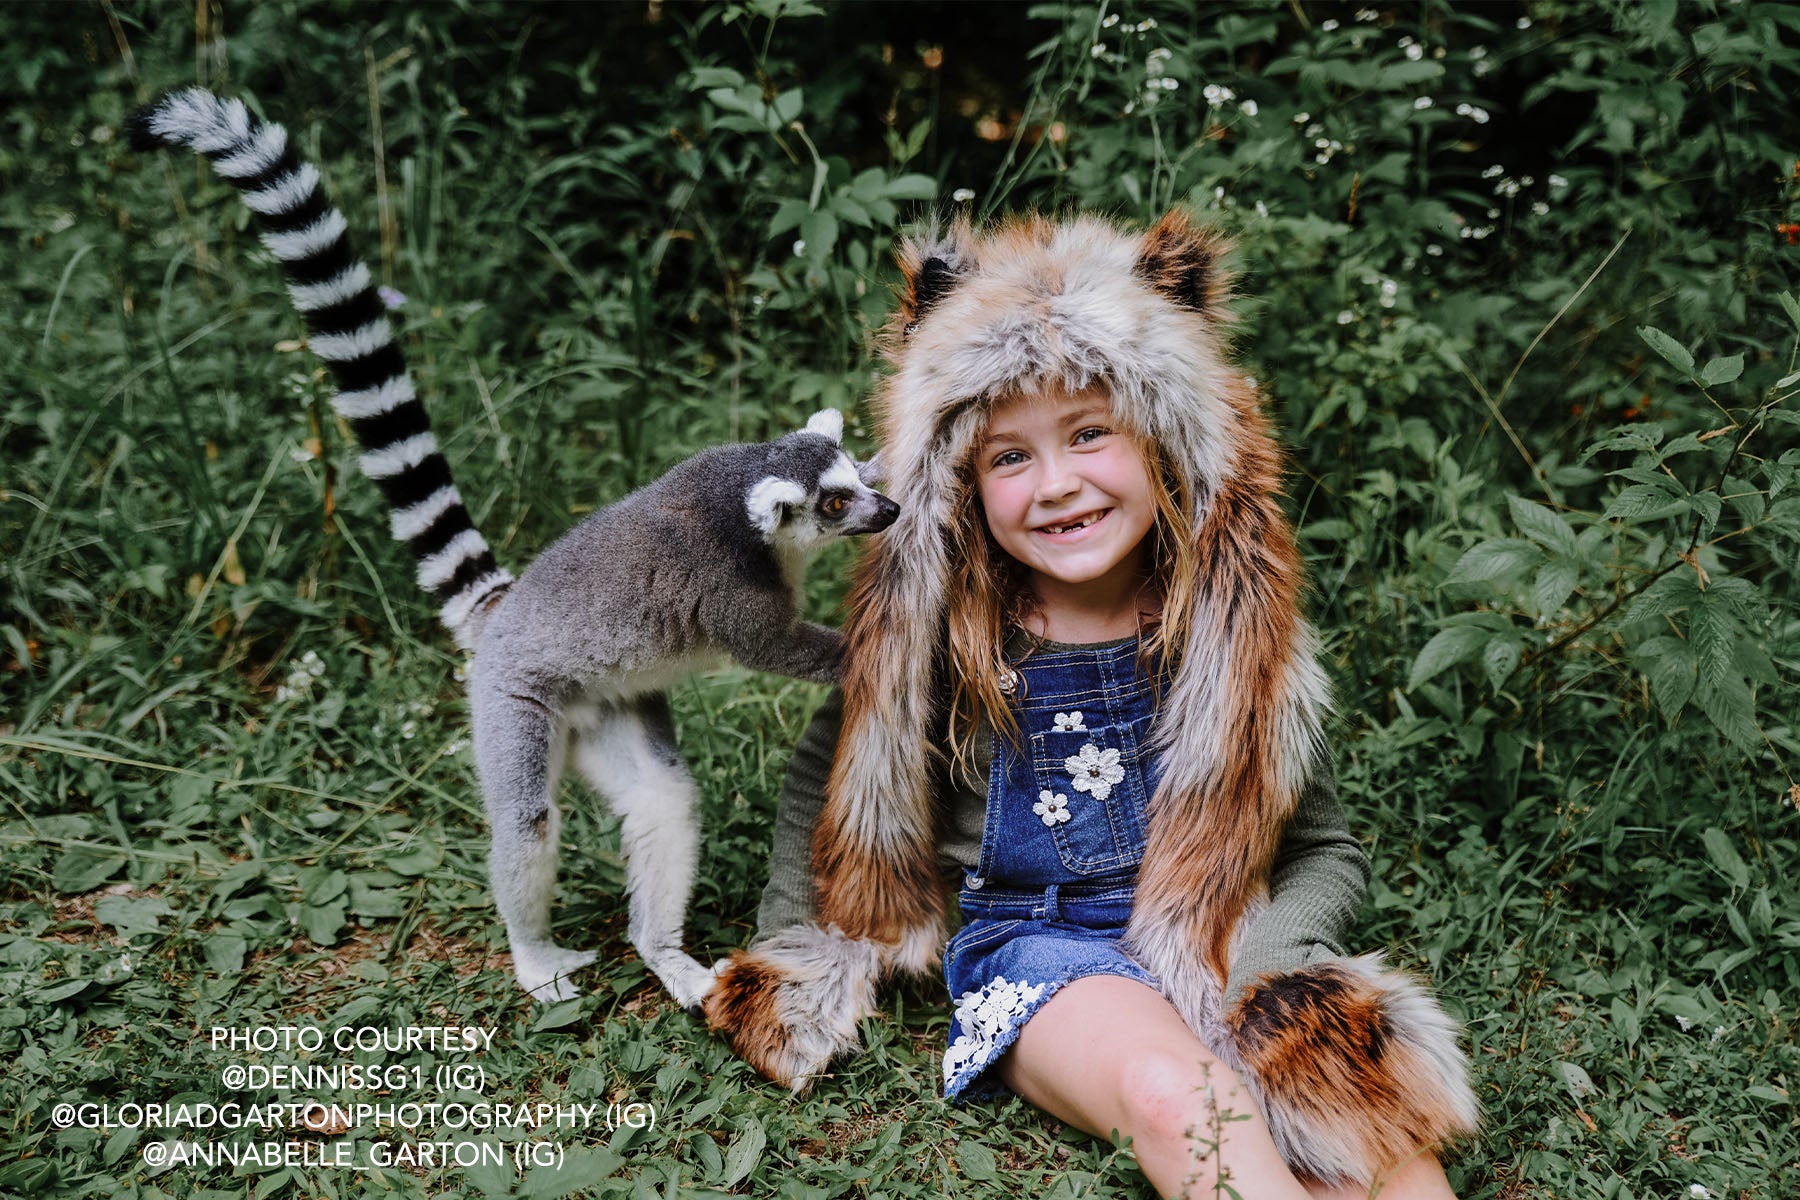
{"x":347,"y":326}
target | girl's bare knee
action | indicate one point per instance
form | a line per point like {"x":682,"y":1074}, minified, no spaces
{"x":1171,"y":1097}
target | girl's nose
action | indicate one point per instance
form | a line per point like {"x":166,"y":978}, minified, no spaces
{"x":1058,"y":480}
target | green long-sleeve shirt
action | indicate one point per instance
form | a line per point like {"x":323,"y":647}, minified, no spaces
{"x":1315,"y":888}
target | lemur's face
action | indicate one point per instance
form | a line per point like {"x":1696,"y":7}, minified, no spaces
{"x":814,"y":493}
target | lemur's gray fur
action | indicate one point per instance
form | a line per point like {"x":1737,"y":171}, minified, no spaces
{"x":575,"y":656}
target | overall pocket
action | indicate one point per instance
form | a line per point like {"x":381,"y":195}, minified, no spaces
{"x":1091,"y":794}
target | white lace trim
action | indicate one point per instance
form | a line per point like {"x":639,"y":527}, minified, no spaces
{"x":987,"y":1017}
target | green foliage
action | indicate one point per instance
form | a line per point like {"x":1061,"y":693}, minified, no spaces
{"x":1518,"y":280}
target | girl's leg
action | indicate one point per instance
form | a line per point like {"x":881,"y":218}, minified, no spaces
{"x":1110,"y":1053}
{"x":1420,"y":1179}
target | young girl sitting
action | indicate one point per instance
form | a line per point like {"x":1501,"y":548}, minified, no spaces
{"x":1077,"y":672}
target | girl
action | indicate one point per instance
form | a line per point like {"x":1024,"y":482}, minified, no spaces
{"x":1092,"y":588}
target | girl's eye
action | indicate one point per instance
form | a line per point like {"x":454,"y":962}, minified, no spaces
{"x":1009,"y":458}
{"x":1093,"y":433}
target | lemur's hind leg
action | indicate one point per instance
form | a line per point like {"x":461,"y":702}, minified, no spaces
{"x":628,"y":754}
{"x":519,"y":748}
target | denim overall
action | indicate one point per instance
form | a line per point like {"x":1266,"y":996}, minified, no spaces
{"x":1063,"y":837}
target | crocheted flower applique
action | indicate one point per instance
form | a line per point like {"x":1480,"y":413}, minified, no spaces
{"x":1070,"y":722}
{"x":1095,"y":770}
{"x":1052,"y":808}
{"x":987,"y":1016}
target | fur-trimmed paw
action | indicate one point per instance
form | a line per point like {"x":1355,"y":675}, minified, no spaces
{"x":544,"y":970}
{"x":1358,"y":1068}
{"x":792,"y":1005}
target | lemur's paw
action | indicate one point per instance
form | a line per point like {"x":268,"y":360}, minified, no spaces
{"x":792,"y":1005}
{"x":686,"y":980}
{"x":544,"y":969}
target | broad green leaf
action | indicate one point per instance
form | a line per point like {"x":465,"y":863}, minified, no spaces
{"x":1672,"y":678}
{"x":1712,"y":631}
{"x":910,"y":187}
{"x":1555,"y":580}
{"x":1668,"y":347}
{"x":1725,"y":856}
{"x":322,"y":921}
{"x":132,"y":915}
{"x":1500,"y":658}
{"x":1332,"y":529}
{"x":787,"y":106}
{"x":1642,"y":500}
{"x":80,"y":871}
{"x":555,"y":1016}
{"x":1494,"y":558}
{"x":745,"y":1152}
{"x":976,"y":1160}
{"x":420,"y":858}
{"x":1447,"y":648}
{"x":1722,"y":370}
{"x":1578,"y":1081}
{"x":225,"y":953}
{"x":1790,"y":306}
{"x":1538,"y":523}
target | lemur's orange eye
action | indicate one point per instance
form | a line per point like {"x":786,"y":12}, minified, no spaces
{"x":834,"y":506}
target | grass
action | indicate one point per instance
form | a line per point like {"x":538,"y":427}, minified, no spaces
{"x":235,"y":788}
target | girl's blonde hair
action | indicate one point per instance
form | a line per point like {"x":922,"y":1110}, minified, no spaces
{"x":989,"y":592}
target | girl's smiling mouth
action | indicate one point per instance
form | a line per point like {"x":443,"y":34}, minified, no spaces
{"x":1075,"y":525}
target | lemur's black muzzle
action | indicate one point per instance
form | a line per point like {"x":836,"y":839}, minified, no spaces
{"x":885,"y":514}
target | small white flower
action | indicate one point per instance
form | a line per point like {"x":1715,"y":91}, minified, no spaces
{"x":1249,"y":107}
{"x":1684,"y":1023}
{"x":1098,"y":49}
{"x":1718,"y":1032}
{"x":1698,"y":1191}
{"x":1146,"y":25}
{"x":1539,"y":207}
{"x":391,"y":298}
{"x":1052,"y":808}
{"x":1493,"y":171}
{"x":409,"y":730}
{"x":799,"y":247}
{"x":963,"y":195}
{"x":1493,"y":214}
{"x":1435,"y":250}
{"x":1345,"y":317}
{"x":1415,"y":53}
{"x":1328,"y":26}
{"x":1169,"y":83}
{"x":1522,"y":23}
{"x":1302,"y":118}
{"x":1094,"y":770}
{"x":1367,"y":14}
{"x":301,"y":454}
{"x":1217,"y":95}
{"x":1422,"y":102}
{"x":1478,"y":52}
{"x":1111,"y":20}
{"x":1557,"y":181}
{"x":1478,"y":115}
{"x":1069,"y":722}
{"x":1262,"y":210}
{"x":1405,"y":41}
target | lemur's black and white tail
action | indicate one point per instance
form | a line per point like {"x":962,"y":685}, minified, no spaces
{"x":347,"y":326}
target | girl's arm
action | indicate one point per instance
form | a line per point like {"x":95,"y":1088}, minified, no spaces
{"x":1315,"y":890}
{"x":788,"y":897}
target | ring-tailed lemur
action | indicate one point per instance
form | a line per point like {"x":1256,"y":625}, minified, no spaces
{"x":575,"y":656}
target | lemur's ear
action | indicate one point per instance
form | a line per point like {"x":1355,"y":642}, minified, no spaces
{"x":1182,"y":261}
{"x":872,"y":471}
{"x":766,"y":503}
{"x":931,"y":264}
{"x":829,"y":422}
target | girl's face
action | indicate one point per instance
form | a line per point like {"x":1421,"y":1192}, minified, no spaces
{"x":1065,"y":490}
